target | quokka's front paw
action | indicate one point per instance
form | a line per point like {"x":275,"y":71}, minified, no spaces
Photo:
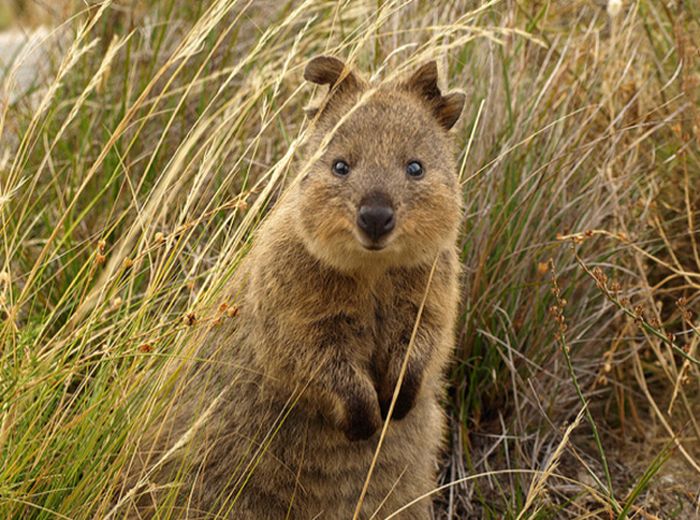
{"x":362,"y":419}
{"x":405,"y":400}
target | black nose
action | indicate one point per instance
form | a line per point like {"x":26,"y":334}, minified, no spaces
{"x":376,"y":220}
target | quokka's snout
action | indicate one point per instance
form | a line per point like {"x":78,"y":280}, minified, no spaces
{"x":376,"y":218}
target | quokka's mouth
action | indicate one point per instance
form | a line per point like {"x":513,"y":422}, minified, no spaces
{"x":374,"y":246}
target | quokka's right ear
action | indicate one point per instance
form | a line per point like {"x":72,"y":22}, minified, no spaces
{"x":327,"y":70}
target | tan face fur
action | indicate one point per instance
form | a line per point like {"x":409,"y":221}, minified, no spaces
{"x":377,"y":132}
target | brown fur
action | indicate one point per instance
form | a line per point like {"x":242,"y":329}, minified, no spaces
{"x":307,"y":370}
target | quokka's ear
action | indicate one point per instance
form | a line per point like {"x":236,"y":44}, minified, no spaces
{"x":424,"y":82}
{"x":311,"y":111}
{"x":327,"y":70}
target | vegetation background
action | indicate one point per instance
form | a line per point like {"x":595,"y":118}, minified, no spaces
{"x":134,"y":173}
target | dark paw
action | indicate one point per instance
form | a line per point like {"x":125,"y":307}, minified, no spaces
{"x":404,"y":402}
{"x":362,"y":421}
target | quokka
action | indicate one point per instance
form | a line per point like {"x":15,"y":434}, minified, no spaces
{"x":297,"y":387}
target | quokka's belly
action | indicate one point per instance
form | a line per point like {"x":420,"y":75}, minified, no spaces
{"x":304,"y":468}
{"x":332,"y":470}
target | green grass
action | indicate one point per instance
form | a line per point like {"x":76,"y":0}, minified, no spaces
{"x":132,"y":181}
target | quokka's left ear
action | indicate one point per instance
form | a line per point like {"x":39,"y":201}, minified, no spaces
{"x":424,"y":82}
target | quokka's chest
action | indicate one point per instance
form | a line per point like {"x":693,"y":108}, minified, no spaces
{"x":385,"y":318}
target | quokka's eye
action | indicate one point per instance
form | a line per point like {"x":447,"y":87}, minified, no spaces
{"x":341,"y":168}
{"x":414,"y":169}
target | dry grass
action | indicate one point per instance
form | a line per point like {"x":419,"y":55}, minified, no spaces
{"x":131,"y":184}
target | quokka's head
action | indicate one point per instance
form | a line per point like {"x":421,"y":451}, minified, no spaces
{"x":380,"y":186}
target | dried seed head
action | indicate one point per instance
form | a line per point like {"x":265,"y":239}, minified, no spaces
{"x":685,"y":312}
{"x":600,"y":277}
{"x":100,"y":255}
{"x":608,"y":358}
{"x":146,"y":347}
{"x":190,"y":318}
